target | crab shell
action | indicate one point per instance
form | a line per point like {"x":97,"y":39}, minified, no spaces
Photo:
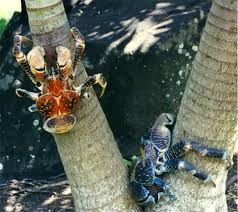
{"x":57,"y":103}
{"x":141,"y":195}
{"x":143,"y":172}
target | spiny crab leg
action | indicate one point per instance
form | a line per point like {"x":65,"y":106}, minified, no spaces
{"x":92,"y":80}
{"x":21,"y":57}
{"x":177,"y":164}
{"x":79,"y":47}
{"x":27,"y":94}
{"x":186,"y":145}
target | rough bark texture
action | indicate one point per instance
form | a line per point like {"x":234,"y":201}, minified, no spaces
{"x":49,"y":26}
{"x":208,"y":111}
{"x":92,"y":161}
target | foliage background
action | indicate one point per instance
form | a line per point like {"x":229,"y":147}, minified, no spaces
{"x":6,"y":10}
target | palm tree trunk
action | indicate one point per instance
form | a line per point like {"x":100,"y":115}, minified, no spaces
{"x":208,"y":111}
{"x":91,"y":159}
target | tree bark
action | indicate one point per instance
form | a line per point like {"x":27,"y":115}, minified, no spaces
{"x":90,"y":156}
{"x":208,"y":112}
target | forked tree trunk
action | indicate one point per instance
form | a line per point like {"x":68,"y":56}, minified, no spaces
{"x":208,"y":111}
{"x":91,"y":159}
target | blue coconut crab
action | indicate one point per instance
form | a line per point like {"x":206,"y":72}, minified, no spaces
{"x":158,"y":156}
{"x":57,"y":97}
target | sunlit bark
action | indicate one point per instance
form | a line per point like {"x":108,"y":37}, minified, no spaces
{"x":91,"y":159}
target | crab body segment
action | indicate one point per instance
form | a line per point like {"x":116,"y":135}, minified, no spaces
{"x":57,"y":103}
{"x":56,"y":98}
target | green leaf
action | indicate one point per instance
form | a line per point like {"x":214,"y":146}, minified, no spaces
{"x":127,"y":162}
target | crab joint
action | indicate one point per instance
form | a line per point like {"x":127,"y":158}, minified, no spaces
{"x":27,"y":94}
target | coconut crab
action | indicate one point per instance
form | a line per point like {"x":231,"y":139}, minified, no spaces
{"x":57,"y":96}
{"x":158,"y":156}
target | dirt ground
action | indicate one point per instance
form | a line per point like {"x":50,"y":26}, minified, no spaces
{"x":54,"y":194}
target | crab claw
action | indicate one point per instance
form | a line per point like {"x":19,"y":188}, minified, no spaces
{"x":59,"y":124}
{"x":165,"y":119}
{"x":102,"y":82}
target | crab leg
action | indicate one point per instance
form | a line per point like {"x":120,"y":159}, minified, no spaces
{"x":79,"y":47}
{"x":21,"y":57}
{"x":33,"y":108}
{"x":27,"y":94}
{"x":92,"y":80}
{"x":149,"y":195}
{"x":185,"y":146}
{"x":177,"y":164}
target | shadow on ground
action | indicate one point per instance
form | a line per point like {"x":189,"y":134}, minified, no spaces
{"x":54,"y":194}
{"x":135,"y":25}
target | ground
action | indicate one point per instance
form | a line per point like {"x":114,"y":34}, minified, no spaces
{"x":54,"y":194}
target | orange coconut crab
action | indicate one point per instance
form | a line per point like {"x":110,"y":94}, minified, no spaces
{"x":57,"y":96}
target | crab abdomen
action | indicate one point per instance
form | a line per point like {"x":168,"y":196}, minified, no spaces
{"x":59,"y":124}
{"x":47,"y":105}
{"x":68,"y":101}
